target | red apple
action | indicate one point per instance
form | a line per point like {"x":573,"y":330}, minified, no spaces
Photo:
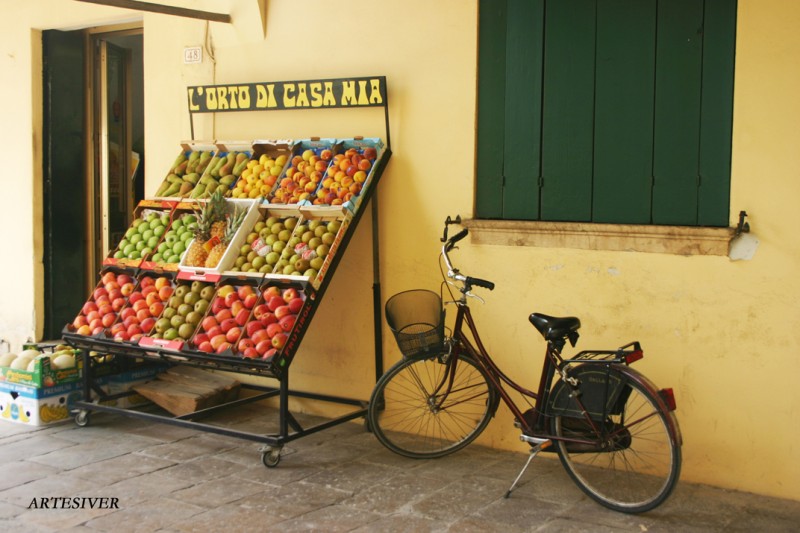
{"x":108,"y":276}
{"x":268,"y":319}
{"x":233,"y":334}
{"x":149,"y":289}
{"x":269,"y":354}
{"x":118,"y":304}
{"x":208,"y":323}
{"x":260,"y":335}
{"x":108,"y":320}
{"x":92,"y":316}
{"x":222,"y":347}
{"x":263,"y":346}
{"x":249,"y":301}
{"x":245,"y":343}
{"x":117,"y":328}
{"x":250,"y":353}
{"x":282,"y":311}
{"x":88,"y":307}
{"x":289,"y":294}
{"x":287,"y":322}
{"x":274,"y":302}
{"x":271,"y":291}
{"x":147,"y":324}
{"x":260,"y":310}
{"x":84,"y":330}
{"x":133,"y":329}
{"x":156,"y":308}
{"x":143,"y":314}
{"x":79,"y":321}
{"x":230,"y":298}
{"x":124,"y":278}
{"x":218,"y":304}
{"x":223,"y":315}
{"x":213,"y":332}
{"x":135,"y":297}
{"x":295,"y":304}
{"x":138,"y":305}
{"x":218,"y":341}
{"x":273,"y":329}
{"x":98,"y":292}
{"x":227,"y":324}
{"x":165,"y":292}
{"x":205,"y":347}
{"x":242,"y":316}
{"x":147,"y":281}
{"x":244,"y":290}
{"x":200,"y":338}
{"x":279,"y":340}
{"x":236,"y":306}
{"x":95,"y":323}
{"x":253,"y":326}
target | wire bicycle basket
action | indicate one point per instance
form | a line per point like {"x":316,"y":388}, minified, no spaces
{"x":416,"y":318}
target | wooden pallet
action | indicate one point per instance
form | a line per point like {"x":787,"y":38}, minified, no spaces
{"x":183,"y":390}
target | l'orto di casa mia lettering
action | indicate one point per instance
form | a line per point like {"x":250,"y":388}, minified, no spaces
{"x":355,"y":92}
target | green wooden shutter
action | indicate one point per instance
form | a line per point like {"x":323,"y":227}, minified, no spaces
{"x":719,"y":43}
{"x":677,"y":112}
{"x":623,"y":142}
{"x":523,"y":113}
{"x":491,"y":109}
{"x":567,"y":116}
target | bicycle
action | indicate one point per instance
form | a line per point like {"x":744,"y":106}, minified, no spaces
{"x":615,"y":433}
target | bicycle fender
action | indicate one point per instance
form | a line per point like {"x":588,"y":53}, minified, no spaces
{"x":644,"y":381}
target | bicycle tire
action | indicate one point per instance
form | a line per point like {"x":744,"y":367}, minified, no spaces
{"x":640,"y":465}
{"x":401,"y":413}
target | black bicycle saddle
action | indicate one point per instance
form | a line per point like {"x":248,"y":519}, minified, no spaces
{"x":554,"y":328}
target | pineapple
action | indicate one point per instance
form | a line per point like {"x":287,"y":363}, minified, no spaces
{"x":218,"y":214}
{"x":197,"y":253}
{"x":235,"y":221}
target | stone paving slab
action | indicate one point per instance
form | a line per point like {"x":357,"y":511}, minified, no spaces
{"x":173,"y":479}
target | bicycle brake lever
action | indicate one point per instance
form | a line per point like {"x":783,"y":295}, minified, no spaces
{"x":468,"y":293}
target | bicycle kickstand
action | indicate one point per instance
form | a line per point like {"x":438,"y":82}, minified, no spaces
{"x":537,"y":445}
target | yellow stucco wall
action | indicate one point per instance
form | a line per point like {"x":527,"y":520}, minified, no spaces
{"x":723,"y":334}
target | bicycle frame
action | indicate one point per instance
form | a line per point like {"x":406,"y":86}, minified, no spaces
{"x":535,"y":425}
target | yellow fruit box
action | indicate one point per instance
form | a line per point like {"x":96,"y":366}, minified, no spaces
{"x":267,"y":162}
{"x":37,"y":406}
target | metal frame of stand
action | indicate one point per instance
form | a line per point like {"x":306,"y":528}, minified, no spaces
{"x":289,"y":428}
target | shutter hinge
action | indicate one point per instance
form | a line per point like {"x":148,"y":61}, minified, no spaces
{"x":541,"y":182}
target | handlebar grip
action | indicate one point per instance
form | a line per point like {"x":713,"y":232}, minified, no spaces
{"x":480,"y":283}
{"x":455,"y":238}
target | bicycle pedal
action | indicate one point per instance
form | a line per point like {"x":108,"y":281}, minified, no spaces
{"x":535,"y":441}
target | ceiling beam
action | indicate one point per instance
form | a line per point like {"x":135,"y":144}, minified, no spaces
{"x":164,"y":10}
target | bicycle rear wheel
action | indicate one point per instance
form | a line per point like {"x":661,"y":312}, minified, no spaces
{"x":413,"y":416}
{"x":636,"y":466}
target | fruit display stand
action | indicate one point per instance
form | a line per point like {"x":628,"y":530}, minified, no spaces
{"x":249,"y":314}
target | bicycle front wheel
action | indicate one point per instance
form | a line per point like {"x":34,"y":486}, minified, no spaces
{"x":635,"y":465}
{"x":414,"y":411}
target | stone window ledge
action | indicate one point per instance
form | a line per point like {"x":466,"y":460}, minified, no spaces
{"x":678,"y":240}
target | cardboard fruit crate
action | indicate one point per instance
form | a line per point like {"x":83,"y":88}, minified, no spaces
{"x":273,"y":319}
{"x":101,"y":310}
{"x":349,"y":175}
{"x":190,"y":272}
{"x":42,"y":372}
{"x":232,"y":307}
{"x":303,"y":173}
{"x":37,"y":406}
{"x":268,"y":161}
{"x":224,"y":169}
{"x":150,"y":221}
{"x":271,"y":232}
{"x":185,"y":172}
{"x":168,"y":252}
{"x":167,"y":332}
{"x":316,"y":240}
{"x":144,"y":306}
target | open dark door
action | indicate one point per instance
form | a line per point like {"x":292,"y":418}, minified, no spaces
{"x":64,"y":179}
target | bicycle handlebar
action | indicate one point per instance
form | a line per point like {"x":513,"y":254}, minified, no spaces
{"x":453,"y":273}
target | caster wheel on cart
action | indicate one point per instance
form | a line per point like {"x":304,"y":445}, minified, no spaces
{"x":82,"y":418}
{"x":271,"y":457}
